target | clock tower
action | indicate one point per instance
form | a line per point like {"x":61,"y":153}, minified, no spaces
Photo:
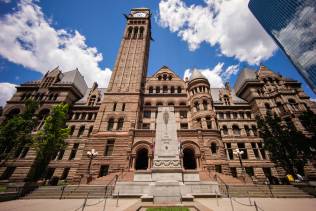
{"x":131,"y":64}
{"x":120,"y":108}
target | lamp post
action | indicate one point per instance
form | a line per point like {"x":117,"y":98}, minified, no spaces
{"x":91,"y":155}
{"x":239,"y":154}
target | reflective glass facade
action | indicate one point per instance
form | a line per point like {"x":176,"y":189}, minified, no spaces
{"x":292,"y":24}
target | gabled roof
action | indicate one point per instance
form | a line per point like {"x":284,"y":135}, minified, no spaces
{"x":165,"y":69}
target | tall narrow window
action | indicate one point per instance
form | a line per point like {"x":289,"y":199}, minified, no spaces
{"x":236,"y":130}
{"x":213,"y":148}
{"x":73,"y":151}
{"x":129,"y":32}
{"x":120,"y":124}
{"x":172,"y":89}
{"x":65,"y":174}
{"x":229,"y":151}
{"x":110,"y":124}
{"x":205,"y":105}
{"x":157,"y":89}
{"x":165,"y":89}
{"x":151,"y":90}
{"x":208,"y":122}
{"x":104,"y":169}
{"x":114,"y":106}
{"x":72,"y":130}
{"x":123,"y":107}
{"x":247,"y":129}
{"x":90,"y":130}
{"x":81,"y":130}
{"x":179,"y":89}
{"x":141,"y":32}
{"x":225,"y":130}
{"x":241,"y":147}
{"x":109,"y":147}
{"x":197,"y":106}
{"x":135,"y":33}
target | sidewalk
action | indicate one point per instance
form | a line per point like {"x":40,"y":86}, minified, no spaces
{"x":267,"y":204}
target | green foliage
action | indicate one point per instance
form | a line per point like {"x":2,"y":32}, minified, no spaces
{"x":167,"y":209}
{"x":15,"y":133}
{"x":48,"y":141}
{"x":287,"y":146}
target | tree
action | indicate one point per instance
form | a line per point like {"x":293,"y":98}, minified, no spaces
{"x":51,"y":139}
{"x":288,"y":147}
{"x":16,"y":133}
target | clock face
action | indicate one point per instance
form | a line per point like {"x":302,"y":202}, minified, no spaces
{"x":139,"y":15}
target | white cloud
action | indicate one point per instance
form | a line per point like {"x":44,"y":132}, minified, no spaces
{"x":27,"y":38}
{"x":216,"y":76}
{"x":228,"y":23}
{"x":6,"y":92}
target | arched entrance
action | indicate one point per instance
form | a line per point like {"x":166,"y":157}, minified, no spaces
{"x":141,"y":162}
{"x":189,"y":161}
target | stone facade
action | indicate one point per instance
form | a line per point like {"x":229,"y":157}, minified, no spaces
{"x":120,"y":122}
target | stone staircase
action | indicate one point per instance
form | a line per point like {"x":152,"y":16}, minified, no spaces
{"x":70,"y":192}
{"x":263,"y":191}
{"x":125,"y":176}
{"x":227,"y":179}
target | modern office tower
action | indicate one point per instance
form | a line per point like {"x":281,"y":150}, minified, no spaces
{"x":292,"y":24}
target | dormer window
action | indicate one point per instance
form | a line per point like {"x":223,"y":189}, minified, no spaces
{"x":92,"y":100}
{"x":226,"y":100}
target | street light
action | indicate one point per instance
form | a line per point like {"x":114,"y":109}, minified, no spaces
{"x":91,"y":155}
{"x":239,"y":154}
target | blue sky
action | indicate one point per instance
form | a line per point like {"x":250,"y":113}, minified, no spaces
{"x":216,"y":38}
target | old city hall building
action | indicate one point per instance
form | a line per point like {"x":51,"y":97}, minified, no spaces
{"x":120,"y":121}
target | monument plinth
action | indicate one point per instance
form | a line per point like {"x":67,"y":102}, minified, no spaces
{"x":167,"y":165}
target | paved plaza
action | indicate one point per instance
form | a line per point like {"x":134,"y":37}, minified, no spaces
{"x":265,"y":204}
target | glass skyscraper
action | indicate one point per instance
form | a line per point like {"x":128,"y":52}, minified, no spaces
{"x":292,"y":24}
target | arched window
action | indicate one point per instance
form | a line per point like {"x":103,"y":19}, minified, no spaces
{"x":129,"y":32}
{"x":225,"y":130}
{"x":81,"y":130}
{"x":120,"y":124}
{"x":170,"y":77}
{"x":151,"y":90}
{"x":179,"y":89}
{"x":147,"y":104}
{"x":213,"y":148}
{"x":196,"y":105}
{"x":141,"y":32}
{"x":110,"y":124}
{"x":159,"y":103}
{"x":141,"y":162}
{"x":182,"y":104}
{"x":172,"y":89}
{"x":159,"y":77}
{"x":164,"y":76}
{"x":170,"y":104}
{"x":135,"y":33}
{"x":205,"y":105}
{"x":189,"y":161}
{"x":236,"y":130}
{"x":165,"y":89}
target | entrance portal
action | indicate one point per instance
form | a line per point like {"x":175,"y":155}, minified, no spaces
{"x":141,"y":159}
{"x":189,"y":159}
